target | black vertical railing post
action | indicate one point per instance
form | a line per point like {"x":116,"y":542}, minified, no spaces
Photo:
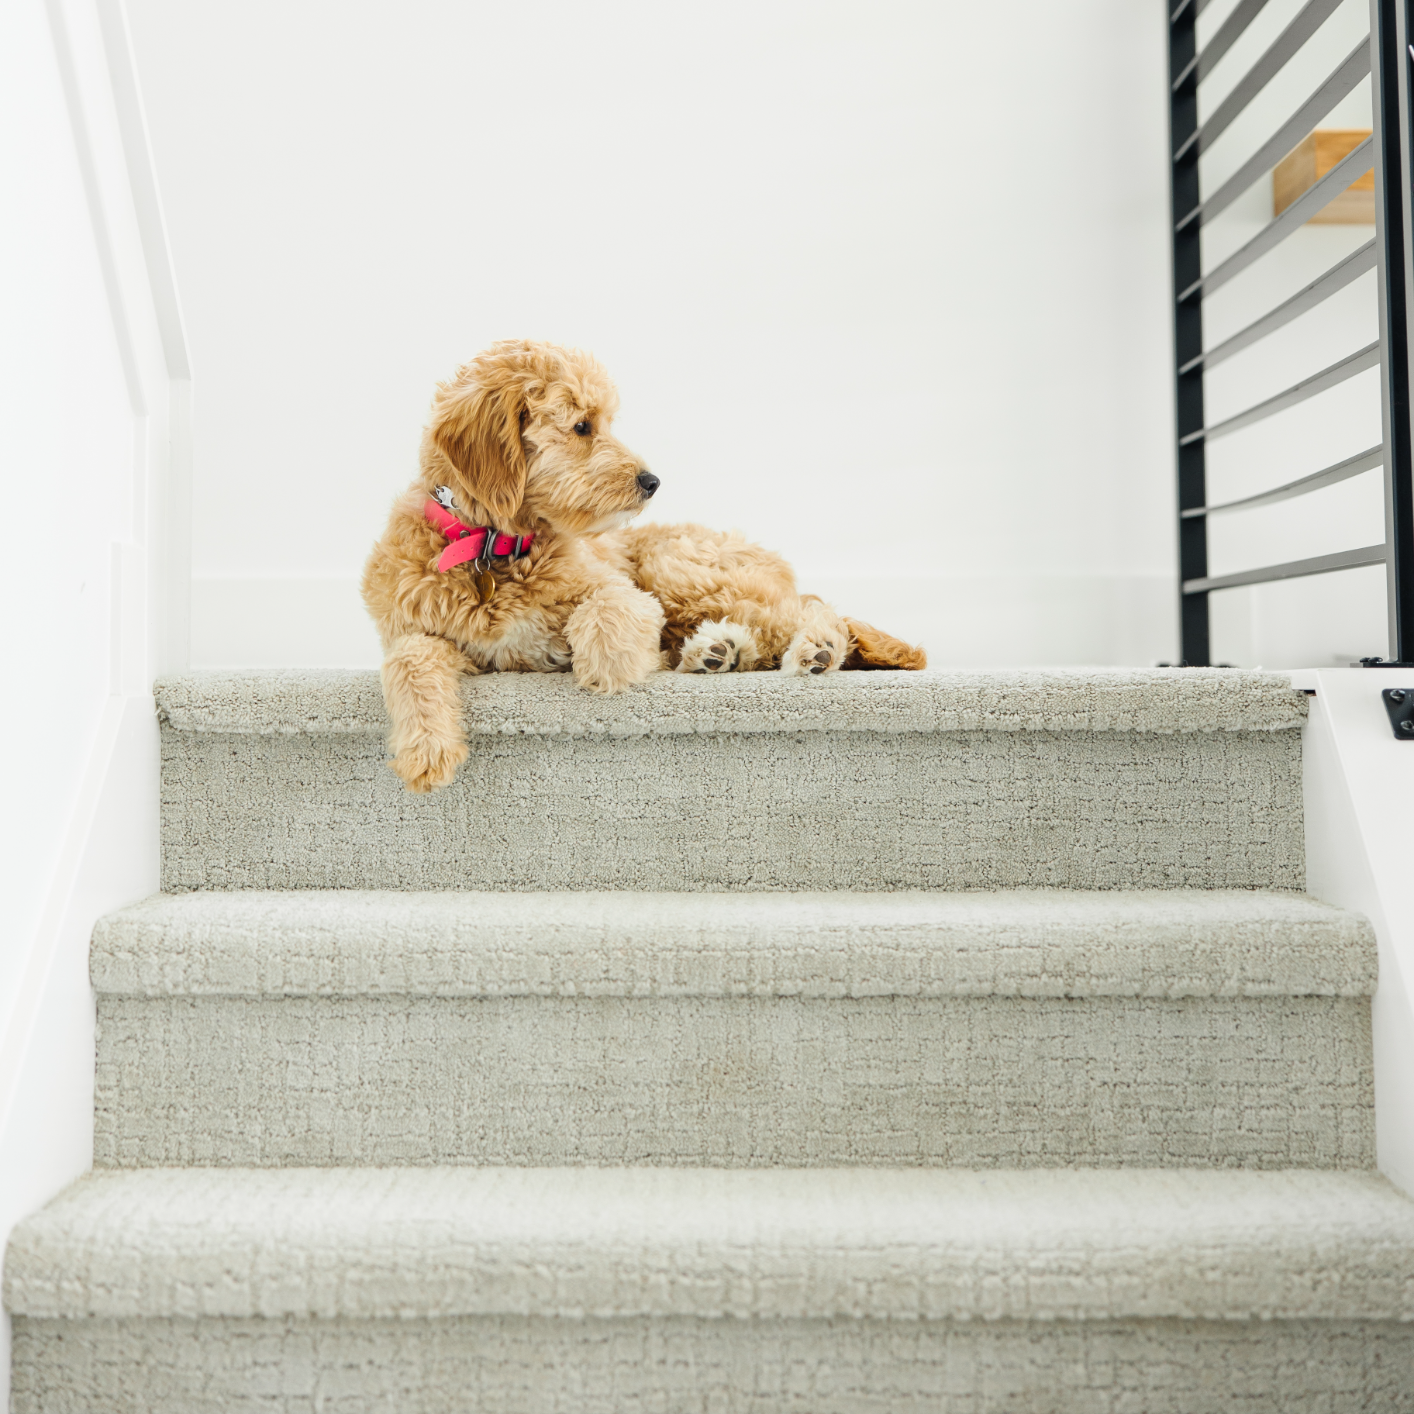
{"x":1188,"y":337}
{"x":1389,"y":73}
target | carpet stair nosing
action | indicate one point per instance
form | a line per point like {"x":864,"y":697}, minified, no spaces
{"x":575,"y":1243}
{"x":347,"y":702}
{"x":1021,"y":943}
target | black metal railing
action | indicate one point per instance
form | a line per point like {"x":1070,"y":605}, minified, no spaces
{"x":1385,"y":58}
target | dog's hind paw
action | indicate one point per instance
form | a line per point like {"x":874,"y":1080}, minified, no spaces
{"x":815,"y":650}
{"x":719,"y":646}
{"x":427,"y":764}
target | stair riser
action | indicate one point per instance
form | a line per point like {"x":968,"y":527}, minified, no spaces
{"x":514,"y":1365}
{"x":818,"y":810}
{"x":980,"y":1082}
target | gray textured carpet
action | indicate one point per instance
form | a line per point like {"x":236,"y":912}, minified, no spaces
{"x":1040,"y":1028}
{"x":972,"y":1045}
{"x":885,"y":1244}
{"x":322,"y":703}
{"x":806,"y":810}
{"x":1032,"y":943}
{"x":1273,"y":1082}
{"x":685,"y":1365}
{"x":862,"y":781}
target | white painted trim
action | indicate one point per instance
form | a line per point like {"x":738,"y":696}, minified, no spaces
{"x":108,"y":851}
{"x":170,"y":582}
{"x":81,"y":126}
{"x":312,"y":621}
{"x":170,"y":461}
{"x":142,"y":180}
{"x":109,"y":857}
{"x":86,"y":61}
{"x":96,"y":68}
{"x":17,"y":1024}
{"x":1358,"y":783}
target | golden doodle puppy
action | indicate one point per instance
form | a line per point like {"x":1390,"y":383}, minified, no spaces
{"x":512,"y":552}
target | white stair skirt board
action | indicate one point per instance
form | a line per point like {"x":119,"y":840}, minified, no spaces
{"x":1000,"y":1029}
{"x":851,"y":781}
{"x":962,"y":620}
{"x":947,"y":1042}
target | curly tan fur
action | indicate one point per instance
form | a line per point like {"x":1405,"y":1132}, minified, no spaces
{"x":521,"y":435}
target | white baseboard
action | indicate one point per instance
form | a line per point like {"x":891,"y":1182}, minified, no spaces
{"x":978,"y":621}
{"x":997,"y":621}
{"x":280,"y":623}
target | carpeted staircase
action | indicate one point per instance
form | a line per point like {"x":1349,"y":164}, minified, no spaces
{"x":886,"y":1042}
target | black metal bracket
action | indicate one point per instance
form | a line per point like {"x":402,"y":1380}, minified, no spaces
{"x":1399,"y":703}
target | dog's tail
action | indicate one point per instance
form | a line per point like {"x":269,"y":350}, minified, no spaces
{"x":873,"y":648}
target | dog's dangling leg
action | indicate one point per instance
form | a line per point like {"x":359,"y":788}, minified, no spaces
{"x":422,"y":689}
{"x":720,"y":646}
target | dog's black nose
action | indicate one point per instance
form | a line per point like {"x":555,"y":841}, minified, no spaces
{"x":648,"y":482}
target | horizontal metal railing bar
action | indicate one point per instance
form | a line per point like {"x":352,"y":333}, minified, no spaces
{"x":1338,"y":372}
{"x":1357,"y":263}
{"x":1354,"y":67}
{"x":1293,"y":569}
{"x":1341,"y":471}
{"x":1306,"y":23}
{"x":1229,"y":32}
{"x":1352,"y":166}
{"x":1177,"y":12}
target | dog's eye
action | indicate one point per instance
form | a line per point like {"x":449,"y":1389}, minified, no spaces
{"x":583,"y":429}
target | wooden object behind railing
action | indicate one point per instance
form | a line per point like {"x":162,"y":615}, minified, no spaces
{"x":1307,"y":163}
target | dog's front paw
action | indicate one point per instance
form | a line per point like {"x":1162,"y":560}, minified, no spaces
{"x":615,"y":637}
{"x":815,"y":650}
{"x":603,"y":681}
{"x":427,"y":763}
{"x":719,"y":646}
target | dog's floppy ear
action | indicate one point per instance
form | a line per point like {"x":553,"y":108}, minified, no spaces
{"x":476,"y":424}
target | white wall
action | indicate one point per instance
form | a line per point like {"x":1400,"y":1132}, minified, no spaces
{"x":92,"y":451}
{"x":896,"y":268}
{"x":1357,"y":779}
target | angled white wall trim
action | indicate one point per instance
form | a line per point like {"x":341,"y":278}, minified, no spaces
{"x":120,"y":862}
{"x":85,"y":153}
{"x":17,"y":1021}
{"x":94,"y":57}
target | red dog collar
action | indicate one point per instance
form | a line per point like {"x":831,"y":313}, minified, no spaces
{"x":469,"y":541}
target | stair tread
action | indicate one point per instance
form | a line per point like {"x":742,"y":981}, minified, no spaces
{"x":1043,"y":943}
{"x":939,"y":1244}
{"x":276,"y":702}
